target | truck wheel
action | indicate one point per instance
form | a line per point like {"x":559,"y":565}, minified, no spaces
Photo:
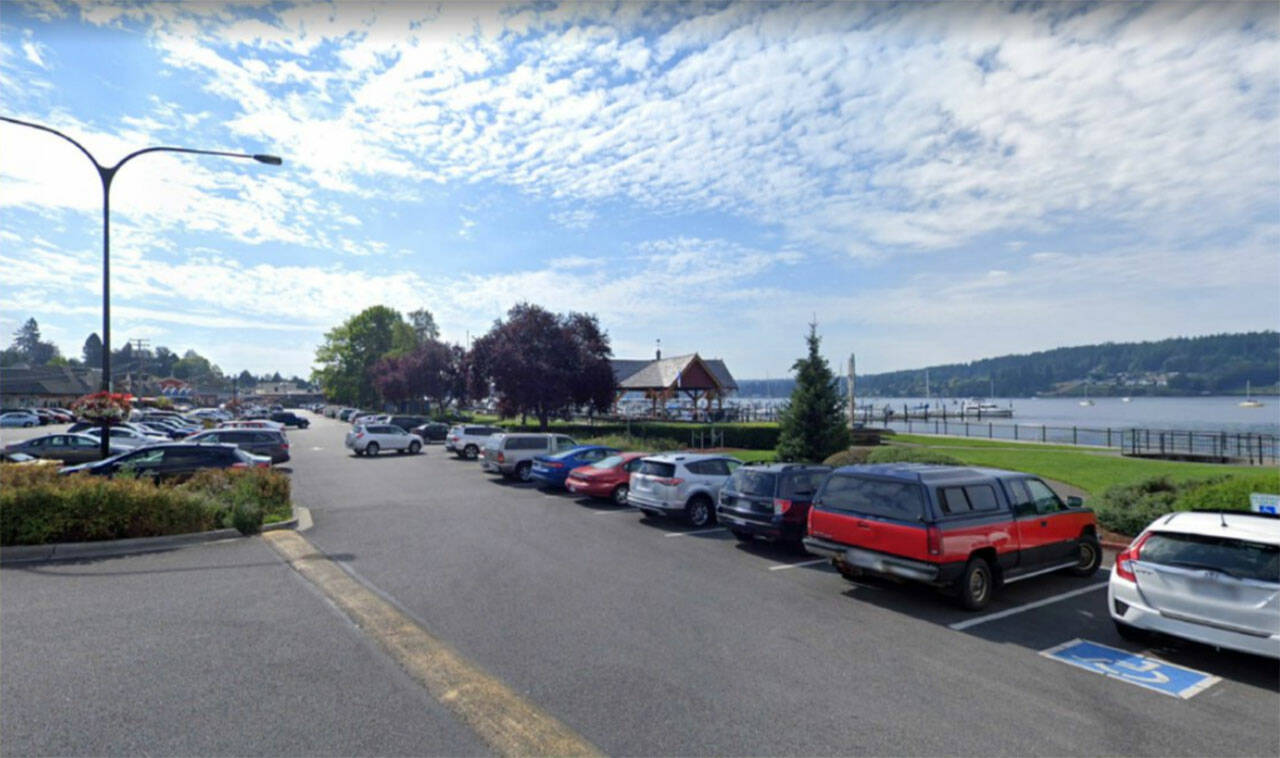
{"x":470,"y":452}
{"x":699,"y":511}
{"x":1090,"y":557}
{"x":975,"y":584}
{"x":524,"y":471}
{"x":620,"y":493}
{"x":849,"y":573}
{"x":371,"y":449}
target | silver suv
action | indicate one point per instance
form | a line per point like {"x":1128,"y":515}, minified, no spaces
{"x":681,"y":483}
{"x":512,"y":454}
{"x":370,"y":439}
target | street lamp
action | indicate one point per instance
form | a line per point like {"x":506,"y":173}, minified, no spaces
{"x":107,"y":174}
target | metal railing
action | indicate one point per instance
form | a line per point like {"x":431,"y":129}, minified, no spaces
{"x":1227,"y":447}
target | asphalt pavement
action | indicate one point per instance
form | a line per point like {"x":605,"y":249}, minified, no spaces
{"x":643,"y":636}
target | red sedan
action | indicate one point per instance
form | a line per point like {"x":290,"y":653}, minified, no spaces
{"x":609,"y":477}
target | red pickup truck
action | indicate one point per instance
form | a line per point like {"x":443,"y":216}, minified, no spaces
{"x":968,"y":530}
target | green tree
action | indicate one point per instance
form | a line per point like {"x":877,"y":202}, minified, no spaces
{"x":351,"y":349}
{"x":27,"y":343}
{"x":92,"y":350}
{"x":424,"y":326}
{"x":813,"y":426}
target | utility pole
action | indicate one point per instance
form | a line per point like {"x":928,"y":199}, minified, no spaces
{"x":853,"y":409}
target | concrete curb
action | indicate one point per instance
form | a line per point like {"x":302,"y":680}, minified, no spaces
{"x":1113,"y":545}
{"x":63,"y":551}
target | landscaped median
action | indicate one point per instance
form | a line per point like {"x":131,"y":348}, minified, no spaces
{"x":40,"y":507}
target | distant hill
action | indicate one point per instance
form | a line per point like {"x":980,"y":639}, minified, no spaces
{"x":1215,"y":364}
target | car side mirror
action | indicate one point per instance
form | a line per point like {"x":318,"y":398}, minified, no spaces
{"x":1075,"y":502}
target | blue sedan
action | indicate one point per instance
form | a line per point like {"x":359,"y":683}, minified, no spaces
{"x":552,"y":470}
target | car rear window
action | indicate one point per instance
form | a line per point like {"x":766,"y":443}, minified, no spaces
{"x":874,"y":497}
{"x":750,"y":482}
{"x":1234,"y":557}
{"x":658,"y":468}
{"x":526,"y":443}
{"x":609,"y":462}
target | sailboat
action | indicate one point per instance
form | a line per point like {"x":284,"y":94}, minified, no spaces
{"x":1086,"y":402}
{"x":1248,"y":401}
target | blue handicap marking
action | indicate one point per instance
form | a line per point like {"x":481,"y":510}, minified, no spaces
{"x":1167,"y":678}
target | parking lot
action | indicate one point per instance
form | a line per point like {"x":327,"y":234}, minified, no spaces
{"x":647,"y":637}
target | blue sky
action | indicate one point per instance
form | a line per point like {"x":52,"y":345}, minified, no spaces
{"x":932,"y":183}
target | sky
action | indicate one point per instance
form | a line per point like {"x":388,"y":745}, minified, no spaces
{"x":931,"y":183}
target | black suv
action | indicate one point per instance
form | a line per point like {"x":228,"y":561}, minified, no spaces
{"x":288,"y":418}
{"x":770,"y":501}
{"x":170,"y":462}
{"x":407,"y":423}
{"x":432,"y":431}
{"x":266,"y":442}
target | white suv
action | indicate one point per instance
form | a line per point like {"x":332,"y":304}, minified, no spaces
{"x":467,"y":440}
{"x":370,"y":439}
{"x":681,"y":483}
{"x":1208,"y":577}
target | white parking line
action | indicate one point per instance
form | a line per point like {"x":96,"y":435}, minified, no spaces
{"x":624,"y":509}
{"x":317,"y":448}
{"x":1029,"y":606}
{"x":782,"y":566}
{"x":700,"y":531}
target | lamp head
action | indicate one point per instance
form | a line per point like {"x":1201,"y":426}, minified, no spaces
{"x":273,"y":160}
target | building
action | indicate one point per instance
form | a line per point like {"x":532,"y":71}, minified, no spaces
{"x":46,"y":386}
{"x":692,"y":378}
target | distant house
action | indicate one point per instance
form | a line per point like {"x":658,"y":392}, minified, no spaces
{"x":701,"y":380}
{"x":45,"y":386}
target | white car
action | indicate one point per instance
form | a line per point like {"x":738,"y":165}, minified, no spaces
{"x":19,"y":418}
{"x":122,"y":436}
{"x":681,"y":484}
{"x":1209,"y":577}
{"x":467,"y":440}
{"x":371,"y":439}
{"x":255,"y":423}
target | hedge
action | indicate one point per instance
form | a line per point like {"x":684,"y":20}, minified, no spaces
{"x":38,"y":506}
{"x":747,"y":436}
{"x":1128,"y":509}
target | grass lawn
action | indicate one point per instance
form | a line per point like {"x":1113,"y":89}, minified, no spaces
{"x":1090,"y":471}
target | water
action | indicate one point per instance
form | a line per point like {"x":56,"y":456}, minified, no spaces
{"x":1210,"y":414}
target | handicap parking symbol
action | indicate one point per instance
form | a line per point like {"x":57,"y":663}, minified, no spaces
{"x":1150,"y":673}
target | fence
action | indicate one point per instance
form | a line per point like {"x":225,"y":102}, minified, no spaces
{"x":1237,"y":447}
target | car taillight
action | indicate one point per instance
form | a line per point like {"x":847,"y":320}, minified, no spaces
{"x":1132,"y":553}
{"x":671,"y":481}
{"x":934,"y":536}
{"x":501,"y":458}
{"x":552,"y":464}
{"x":240,"y":464}
{"x":781,"y":506}
{"x":359,"y":435}
{"x":285,"y":445}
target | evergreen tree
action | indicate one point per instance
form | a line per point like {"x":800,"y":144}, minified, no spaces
{"x":813,"y":426}
{"x":92,"y":350}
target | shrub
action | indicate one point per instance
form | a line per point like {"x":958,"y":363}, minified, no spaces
{"x":1128,"y":509}
{"x":850,"y":457}
{"x":755,"y":436}
{"x":38,"y":506}
{"x":899,"y":454}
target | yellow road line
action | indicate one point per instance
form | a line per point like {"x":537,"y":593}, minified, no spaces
{"x":509,"y":724}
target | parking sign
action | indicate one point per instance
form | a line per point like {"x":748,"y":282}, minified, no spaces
{"x":1263,"y":503}
{"x":1148,"y":673}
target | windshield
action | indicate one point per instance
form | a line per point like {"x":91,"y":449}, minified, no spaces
{"x":1238,"y":558}
{"x":609,"y":462}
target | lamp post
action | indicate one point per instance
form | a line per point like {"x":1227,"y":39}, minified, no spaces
{"x":106,"y":174}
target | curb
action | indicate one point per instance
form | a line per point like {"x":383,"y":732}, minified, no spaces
{"x":61,"y":551}
{"x":1111,"y":544}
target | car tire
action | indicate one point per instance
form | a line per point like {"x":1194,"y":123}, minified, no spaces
{"x":414,"y":448}
{"x":1090,"y":557}
{"x":698,"y":511}
{"x":976,"y":584}
{"x":371,"y":449}
{"x":27,"y":424}
{"x":619,"y":494}
{"x":524,"y":471}
{"x":743,"y":536}
{"x":470,"y":452}
{"x":1131,"y":633}
{"x":849,"y":573}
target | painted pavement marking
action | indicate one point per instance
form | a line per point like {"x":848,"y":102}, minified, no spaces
{"x":1149,"y":673}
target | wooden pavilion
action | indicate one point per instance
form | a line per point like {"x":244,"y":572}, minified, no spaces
{"x":661,"y":380}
